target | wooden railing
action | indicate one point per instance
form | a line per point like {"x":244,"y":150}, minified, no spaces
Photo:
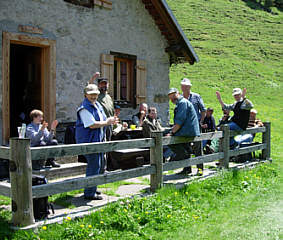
{"x":20,"y":156}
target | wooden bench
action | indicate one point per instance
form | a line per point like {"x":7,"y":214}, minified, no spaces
{"x":130,"y":158}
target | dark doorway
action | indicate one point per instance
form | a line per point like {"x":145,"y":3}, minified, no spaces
{"x":25,"y":84}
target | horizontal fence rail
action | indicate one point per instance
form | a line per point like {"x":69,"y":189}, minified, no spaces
{"x":79,"y":183}
{"x":87,"y":148}
{"x":5,"y":152}
{"x":21,"y":154}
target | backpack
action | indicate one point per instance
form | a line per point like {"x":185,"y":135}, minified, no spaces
{"x":41,"y":205}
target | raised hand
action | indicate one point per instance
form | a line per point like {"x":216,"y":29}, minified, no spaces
{"x":218,"y":95}
{"x":244,"y":93}
{"x":96,"y":75}
{"x":44,"y":125}
{"x":54,"y":124}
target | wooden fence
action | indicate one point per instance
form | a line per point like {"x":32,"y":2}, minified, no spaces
{"x":20,"y":155}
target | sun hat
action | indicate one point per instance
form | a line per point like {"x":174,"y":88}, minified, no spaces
{"x":91,"y":89}
{"x":186,"y":82}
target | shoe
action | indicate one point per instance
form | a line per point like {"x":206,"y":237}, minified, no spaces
{"x":93,"y":198}
{"x":98,"y":192}
{"x":185,"y":171}
{"x":51,"y":162}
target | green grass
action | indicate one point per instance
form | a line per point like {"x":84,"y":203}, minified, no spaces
{"x":239,"y":45}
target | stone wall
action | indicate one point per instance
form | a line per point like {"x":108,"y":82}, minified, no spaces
{"x":82,"y":34}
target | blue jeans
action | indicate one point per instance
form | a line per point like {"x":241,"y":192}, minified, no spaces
{"x":233,"y":126}
{"x":246,"y":138}
{"x":93,"y":168}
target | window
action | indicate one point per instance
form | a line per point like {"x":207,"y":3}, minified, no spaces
{"x":123,"y":80}
{"x":126,"y":76}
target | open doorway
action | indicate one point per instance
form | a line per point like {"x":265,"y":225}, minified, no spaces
{"x":25,"y":84}
{"x":29,"y":80}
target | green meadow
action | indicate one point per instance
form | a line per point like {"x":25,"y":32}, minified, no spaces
{"x":239,"y":45}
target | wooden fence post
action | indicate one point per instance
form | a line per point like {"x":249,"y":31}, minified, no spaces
{"x":266,"y":138}
{"x":224,"y":146}
{"x":156,"y":159}
{"x":21,"y":182}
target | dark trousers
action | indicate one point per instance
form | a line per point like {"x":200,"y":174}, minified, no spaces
{"x":37,"y":164}
{"x":197,"y":150}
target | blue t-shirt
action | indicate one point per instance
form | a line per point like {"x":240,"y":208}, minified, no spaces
{"x":185,"y":115}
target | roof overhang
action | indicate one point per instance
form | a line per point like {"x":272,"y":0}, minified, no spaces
{"x":179,"y":47}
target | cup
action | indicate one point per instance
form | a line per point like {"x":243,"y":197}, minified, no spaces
{"x":133,"y":127}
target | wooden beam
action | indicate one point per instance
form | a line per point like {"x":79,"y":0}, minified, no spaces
{"x":5,"y":189}
{"x":21,"y":182}
{"x":87,"y":148}
{"x":249,"y":149}
{"x":266,"y":138}
{"x":203,"y":136}
{"x":5,"y":152}
{"x":79,"y":183}
{"x":248,"y":131}
{"x":66,"y":170}
{"x":191,"y":161}
{"x":156,"y":159}
{"x":224,"y":146}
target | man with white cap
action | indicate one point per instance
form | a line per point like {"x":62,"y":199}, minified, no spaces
{"x":200,"y":109}
{"x":185,"y":123}
{"x":241,"y":108}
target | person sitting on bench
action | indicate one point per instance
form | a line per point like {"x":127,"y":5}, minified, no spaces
{"x":40,"y":136}
{"x":253,"y":122}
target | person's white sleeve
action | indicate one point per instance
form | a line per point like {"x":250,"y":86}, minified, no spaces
{"x":87,"y":118}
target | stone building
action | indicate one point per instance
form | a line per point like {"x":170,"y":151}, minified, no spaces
{"x":50,"y":49}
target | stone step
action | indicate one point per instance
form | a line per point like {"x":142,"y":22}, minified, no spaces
{"x":66,"y":170}
{"x":69,"y":159}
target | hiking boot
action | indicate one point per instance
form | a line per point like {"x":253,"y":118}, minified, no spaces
{"x":52,"y":163}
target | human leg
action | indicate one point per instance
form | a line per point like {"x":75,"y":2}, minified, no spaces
{"x":235,"y":127}
{"x":51,"y":161}
{"x":93,"y":168}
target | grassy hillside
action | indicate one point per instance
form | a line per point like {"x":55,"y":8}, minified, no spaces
{"x":239,"y":45}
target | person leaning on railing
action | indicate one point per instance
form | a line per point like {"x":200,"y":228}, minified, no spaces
{"x":90,"y":127}
{"x":185,"y":124}
{"x":241,"y":108}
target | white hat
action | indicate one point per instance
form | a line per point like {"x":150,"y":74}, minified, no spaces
{"x":186,"y":82}
{"x":91,"y":89}
{"x":236,"y":91}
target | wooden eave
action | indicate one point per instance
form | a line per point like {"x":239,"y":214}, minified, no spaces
{"x":179,"y":47}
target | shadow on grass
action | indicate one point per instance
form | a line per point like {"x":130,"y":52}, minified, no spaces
{"x":263,"y":5}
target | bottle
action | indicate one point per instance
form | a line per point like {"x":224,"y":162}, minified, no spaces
{"x":23,"y":130}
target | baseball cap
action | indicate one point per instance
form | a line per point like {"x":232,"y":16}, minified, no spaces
{"x":186,"y":82}
{"x":236,"y":91}
{"x":172,"y":90}
{"x":91,"y":89}
{"x":99,"y":80}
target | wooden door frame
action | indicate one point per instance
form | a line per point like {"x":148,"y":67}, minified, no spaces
{"x":48,"y":76}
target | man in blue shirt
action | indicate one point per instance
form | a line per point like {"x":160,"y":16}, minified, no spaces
{"x":185,"y":123}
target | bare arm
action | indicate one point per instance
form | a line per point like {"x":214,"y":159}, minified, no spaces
{"x":176,"y":128}
{"x":219,"y":99}
{"x":96,"y":75}
{"x":244,"y":93}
